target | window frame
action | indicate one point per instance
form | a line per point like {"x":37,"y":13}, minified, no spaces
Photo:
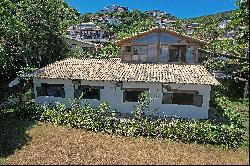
{"x":191,"y":93}
{"x":178,"y":49}
{"x":83,"y":88}
{"x":140,"y":90}
{"x":45,"y":87}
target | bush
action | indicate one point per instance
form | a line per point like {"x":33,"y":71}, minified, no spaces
{"x":97,"y":119}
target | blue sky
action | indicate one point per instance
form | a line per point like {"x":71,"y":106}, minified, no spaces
{"x":179,"y":8}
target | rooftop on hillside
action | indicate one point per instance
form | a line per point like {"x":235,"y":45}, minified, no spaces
{"x":115,"y":70}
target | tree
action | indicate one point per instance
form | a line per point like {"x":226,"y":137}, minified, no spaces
{"x":31,"y":33}
{"x":241,"y":18}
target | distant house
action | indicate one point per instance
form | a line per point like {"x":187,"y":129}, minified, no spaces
{"x":155,"y":13}
{"x":159,"y":61}
{"x":231,"y":34}
{"x":113,"y":21}
{"x":81,"y":45}
{"x":115,"y":8}
{"x":164,"y":22}
{"x":85,"y":31}
{"x":190,"y":30}
{"x":222,"y":24}
{"x":219,"y":74}
{"x":168,"y":22}
{"x":195,"y":24}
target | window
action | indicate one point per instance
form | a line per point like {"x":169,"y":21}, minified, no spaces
{"x":127,"y":53}
{"x":164,"y":54}
{"x":182,"y":97}
{"x":127,"y":48}
{"x":56,"y":90}
{"x":88,"y":92}
{"x":143,"y":53}
{"x":135,"y":53}
{"x":190,"y":55}
{"x":132,"y":95}
{"x":152,"y":53}
{"x":177,"y":53}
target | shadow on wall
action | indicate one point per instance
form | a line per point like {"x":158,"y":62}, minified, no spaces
{"x":12,"y":134}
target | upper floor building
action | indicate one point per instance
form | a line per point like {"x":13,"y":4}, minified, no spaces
{"x":160,"y":45}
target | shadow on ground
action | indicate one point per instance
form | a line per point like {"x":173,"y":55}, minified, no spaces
{"x":12,"y":134}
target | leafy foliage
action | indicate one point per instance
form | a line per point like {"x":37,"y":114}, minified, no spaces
{"x":98,"y":119}
{"x":31,"y":33}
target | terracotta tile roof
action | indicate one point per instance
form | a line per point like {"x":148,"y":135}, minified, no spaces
{"x":156,"y":29}
{"x":115,"y":70}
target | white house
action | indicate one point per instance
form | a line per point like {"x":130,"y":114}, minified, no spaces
{"x":81,"y":45}
{"x":223,"y":24}
{"x":113,"y":21}
{"x":159,"y":61}
{"x":155,"y":13}
{"x":115,"y":8}
{"x":190,"y":30}
{"x":86,"y":30}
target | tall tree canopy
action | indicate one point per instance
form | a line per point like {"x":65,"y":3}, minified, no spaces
{"x":31,"y":33}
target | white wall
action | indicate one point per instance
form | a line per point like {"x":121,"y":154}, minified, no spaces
{"x":68,"y":88}
{"x":114,"y":97}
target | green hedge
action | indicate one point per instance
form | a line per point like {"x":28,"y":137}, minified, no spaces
{"x":178,"y":129}
{"x":97,"y":119}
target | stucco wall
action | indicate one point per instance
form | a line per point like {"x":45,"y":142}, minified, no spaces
{"x":114,"y":96}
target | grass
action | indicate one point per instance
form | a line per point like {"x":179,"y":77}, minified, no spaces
{"x":40,"y":143}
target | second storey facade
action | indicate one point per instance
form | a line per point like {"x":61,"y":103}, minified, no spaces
{"x":160,"y":46}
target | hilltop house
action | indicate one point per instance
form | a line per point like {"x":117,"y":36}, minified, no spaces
{"x":159,"y":61}
{"x":113,"y":8}
{"x":165,"y":22}
{"x":154,"y":13}
{"x":85,"y":31}
{"x":112,"y":21}
{"x":223,"y":24}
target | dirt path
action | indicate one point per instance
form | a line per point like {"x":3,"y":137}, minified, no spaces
{"x":51,"y":144}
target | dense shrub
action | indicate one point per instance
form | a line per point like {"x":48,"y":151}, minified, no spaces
{"x":98,"y":119}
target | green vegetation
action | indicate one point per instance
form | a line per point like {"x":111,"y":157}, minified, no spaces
{"x":110,"y":50}
{"x":228,"y":100}
{"x":99,"y":119}
{"x":131,"y":22}
{"x":31,"y":34}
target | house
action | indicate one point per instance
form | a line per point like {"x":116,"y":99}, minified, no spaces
{"x":231,"y":34}
{"x":223,"y":24}
{"x":195,"y":24}
{"x":165,"y":22}
{"x":154,"y":13}
{"x":115,"y":8}
{"x":189,"y":30}
{"x":113,"y":21}
{"x":160,"y":61}
{"x":81,"y":45}
{"x":85,"y":31}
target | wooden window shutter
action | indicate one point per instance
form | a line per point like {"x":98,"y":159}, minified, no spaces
{"x":197,"y":100}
